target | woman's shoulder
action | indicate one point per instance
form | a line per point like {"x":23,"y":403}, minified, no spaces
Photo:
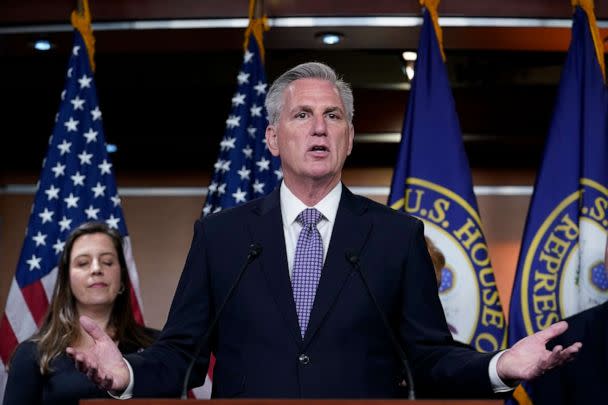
{"x":27,"y":348}
{"x":25,"y":355}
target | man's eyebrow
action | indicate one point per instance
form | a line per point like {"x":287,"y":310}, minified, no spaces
{"x":302,"y":107}
{"x":308,"y":108}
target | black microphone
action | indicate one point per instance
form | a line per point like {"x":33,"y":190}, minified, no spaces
{"x":255,"y":249}
{"x":353,"y":259}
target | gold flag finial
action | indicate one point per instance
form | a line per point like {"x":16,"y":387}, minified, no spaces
{"x":431,"y":6}
{"x":81,"y":20}
{"x":257,"y":26}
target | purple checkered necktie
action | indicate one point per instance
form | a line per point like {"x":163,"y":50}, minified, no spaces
{"x":307,"y":265}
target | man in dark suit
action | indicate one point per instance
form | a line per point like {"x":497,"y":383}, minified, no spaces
{"x":301,"y":322}
{"x":582,"y":381}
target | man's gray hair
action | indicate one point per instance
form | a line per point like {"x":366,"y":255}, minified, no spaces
{"x":309,"y":70}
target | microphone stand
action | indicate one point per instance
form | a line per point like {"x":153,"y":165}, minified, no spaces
{"x":255,"y":249}
{"x":353,"y":259}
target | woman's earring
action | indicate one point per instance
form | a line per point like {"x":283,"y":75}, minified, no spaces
{"x":121,"y":289}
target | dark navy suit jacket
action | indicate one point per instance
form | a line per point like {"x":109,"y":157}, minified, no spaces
{"x":257,"y":343}
{"x":584,"y":380}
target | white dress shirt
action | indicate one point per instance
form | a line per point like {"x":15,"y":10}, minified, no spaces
{"x":291,"y":207}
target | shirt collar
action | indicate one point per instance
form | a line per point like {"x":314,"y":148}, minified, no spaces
{"x":291,"y":206}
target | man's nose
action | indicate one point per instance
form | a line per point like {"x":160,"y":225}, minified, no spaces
{"x":320,"y":126}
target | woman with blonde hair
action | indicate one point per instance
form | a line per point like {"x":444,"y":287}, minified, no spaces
{"x":92,"y":280}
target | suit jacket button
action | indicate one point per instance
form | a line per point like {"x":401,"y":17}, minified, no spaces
{"x":304,"y":359}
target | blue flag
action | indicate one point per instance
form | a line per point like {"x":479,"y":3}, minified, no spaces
{"x":432,"y":181}
{"x":245,"y":169}
{"x":561,"y":269}
{"x":76,"y":185}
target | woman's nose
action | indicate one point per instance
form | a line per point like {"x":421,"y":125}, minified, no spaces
{"x":95,"y":267}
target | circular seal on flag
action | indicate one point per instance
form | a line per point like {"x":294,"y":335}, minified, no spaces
{"x":467,"y":289}
{"x":564,"y":272}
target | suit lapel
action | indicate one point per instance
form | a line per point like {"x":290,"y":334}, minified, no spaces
{"x":266,"y":226}
{"x":350,"y":231}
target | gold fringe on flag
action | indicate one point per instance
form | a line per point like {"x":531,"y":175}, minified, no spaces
{"x":257,"y":26}
{"x":431,"y":6}
{"x":81,"y":20}
{"x":521,"y":396}
{"x":587,"y":6}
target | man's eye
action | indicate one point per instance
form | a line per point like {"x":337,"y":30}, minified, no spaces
{"x":301,"y":115}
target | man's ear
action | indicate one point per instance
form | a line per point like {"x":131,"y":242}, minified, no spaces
{"x":351,"y":139}
{"x":271,"y":140}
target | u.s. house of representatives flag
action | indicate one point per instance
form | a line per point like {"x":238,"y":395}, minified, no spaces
{"x":432,"y":181}
{"x":245,"y":169}
{"x":76,"y":185}
{"x":561,"y":269}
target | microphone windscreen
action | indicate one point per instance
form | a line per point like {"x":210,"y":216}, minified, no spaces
{"x":351,"y":256}
{"x":255,"y":249}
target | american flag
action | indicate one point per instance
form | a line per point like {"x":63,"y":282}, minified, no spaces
{"x":76,"y":185}
{"x":245,"y":169}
